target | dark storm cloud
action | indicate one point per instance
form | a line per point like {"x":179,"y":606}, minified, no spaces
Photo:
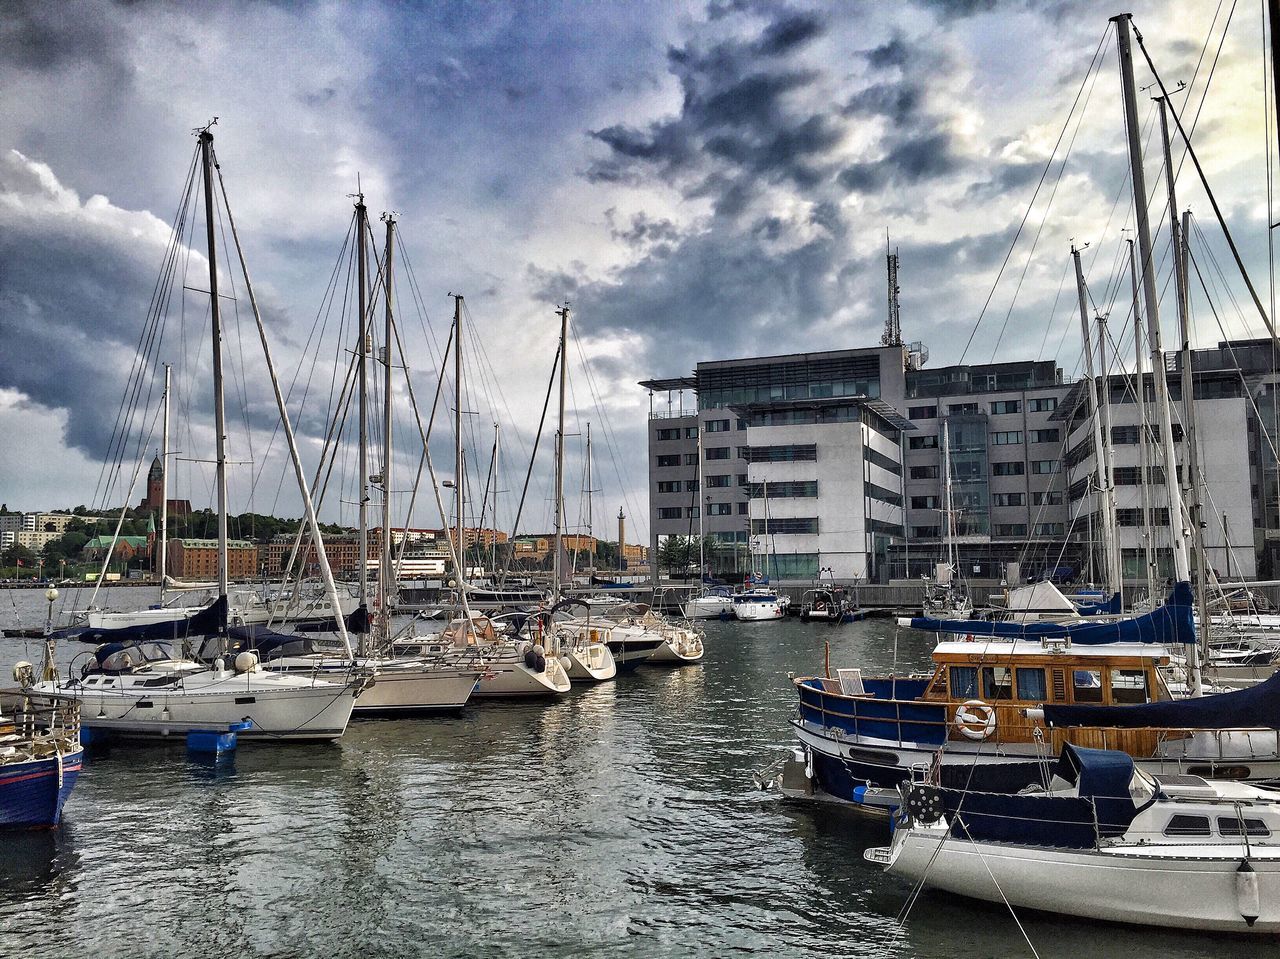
{"x":785,"y":35}
{"x":50,"y":37}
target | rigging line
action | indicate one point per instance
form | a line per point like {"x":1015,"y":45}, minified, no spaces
{"x":515,"y":526}
{"x":1043,"y":174}
{"x":1204,"y":181}
{"x":1062,"y":168}
{"x":611,"y":440}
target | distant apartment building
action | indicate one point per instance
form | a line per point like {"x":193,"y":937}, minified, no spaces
{"x":198,"y":559}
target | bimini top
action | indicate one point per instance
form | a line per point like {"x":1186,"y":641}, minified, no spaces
{"x":1257,"y":707}
{"x":1170,"y":624}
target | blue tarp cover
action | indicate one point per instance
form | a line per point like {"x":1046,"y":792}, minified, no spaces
{"x":1170,"y":624}
{"x":208,"y":622}
{"x":1255,"y":707}
{"x":1110,"y":608}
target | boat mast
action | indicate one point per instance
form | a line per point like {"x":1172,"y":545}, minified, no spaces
{"x":1191,"y":461}
{"x":1102,"y":450}
{"x":702,"y":529}
{"x":591,"y":539}
{"x":1114,"y":556}
{"x":1144,"y":434}
{"x":948,"y":528}
{"x":563,"y":313}
{"x":362,"y":363}
{"x":1138,"y":181}
{"x":497,"y":448}
{"x":162,"y":563}
{"x":459,"y":496}
{"x":385,"y":571}
{"x":219,"y":406}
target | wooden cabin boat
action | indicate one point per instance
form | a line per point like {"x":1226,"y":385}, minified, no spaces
{"x":1015,"y":704}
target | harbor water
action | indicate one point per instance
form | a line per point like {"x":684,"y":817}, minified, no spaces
{"x":619,"y":821}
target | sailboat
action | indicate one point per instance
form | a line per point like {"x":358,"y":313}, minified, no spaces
{"x":715,"y":602}
{"x":403,"y":683}
{"x":132,"y":686}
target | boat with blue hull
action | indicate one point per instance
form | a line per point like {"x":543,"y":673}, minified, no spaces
{"x":40,"y":759}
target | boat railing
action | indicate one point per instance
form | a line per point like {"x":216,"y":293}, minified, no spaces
{"x":40,"y":717}
{"x":1142,"y":742}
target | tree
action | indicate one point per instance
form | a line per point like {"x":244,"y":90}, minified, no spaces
{"x":17,"y":553}
{"x":677,"y":553}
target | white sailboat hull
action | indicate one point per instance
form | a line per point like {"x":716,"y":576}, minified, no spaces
{"x":708,"y":607}
{"x":591,"y":663}
{"x":758,"y":612}
{"x":281,"y":708}
{"x":411,"y":689}
{"x":508,"y":677}
{"x":1182,"y":887}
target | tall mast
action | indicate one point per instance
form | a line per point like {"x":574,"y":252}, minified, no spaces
{"x":1102,"y":450}
{"x":948,"y":529}
{"x":1112,"y":545}
{"x":497,"y":448}
{"x":162,"y":563}
{"x":702,"y":529}
{"x":219,"y":406}
{"x":385,"y":572}
{"x":1144,"y":433}
{"x":362,"y":365}
{"x":1138,"y":179}
{"x":591,"y":539}
{"x":459,"y":495}
{"x":563,"y":313}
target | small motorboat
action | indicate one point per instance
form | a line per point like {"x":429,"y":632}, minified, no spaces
{"x":40,"y":757}
{"x":1101,"y":839}
{"x":759,"y":605}
{"x":714,"y":603}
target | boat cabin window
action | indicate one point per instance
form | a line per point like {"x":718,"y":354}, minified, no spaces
{"x":1128,"y":686}
{"x":1087,"y":685}
{"x":1231,"y":826}
{"x":997,"y":682}
{"x":964,"y":682}
{"x":1031,"y":685}
{"x":1183,"y":825}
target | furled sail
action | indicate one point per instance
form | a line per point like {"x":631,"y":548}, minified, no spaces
{"x":1255,"y":707}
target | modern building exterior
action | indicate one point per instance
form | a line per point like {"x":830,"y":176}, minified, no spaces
{"x":1018,"y":439}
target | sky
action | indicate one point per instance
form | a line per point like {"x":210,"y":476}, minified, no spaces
{"x":698,"y":180}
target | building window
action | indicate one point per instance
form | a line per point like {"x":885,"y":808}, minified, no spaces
{"x":1124,"y":435}
{"x":1160,"y":516}
{"x":1044,"y":467}
{"x":691,"y":486}
{"x":1048,"y":529}
{"x":884,"y":462}
{"x":691,"y":512}
{"x":742,"y":479}
{"x":924,"y":502}
{"x":1007,"y":499}
{"x":716,"y":426}
{"x":668,"y":434}
{"x":1016,"y":468}
{"x":922,"y":442}
{"x":1006,"y":438}
{"x":1009,"y":529}
{"x":1129,"y":517}
{"x":718,"y":453}
{"x":1126,"y":476}
{"x":1047,"y":498}
{"x":742,"y":424}
{"x":719,"y":509}
{"x":1045,"y":436}
{"x":669,"y":486}
{"x":783,"y":489}
{"x":962,"y":409}
{"x":792,"y":565}
{"x":924,"y":532}
{"x":924,"y":472}
{"x":691,"y":432}
{"x":1006,"y":406}
{"x":690,"y":459}
{"x":719,"y":482}
{"x":804,"y":453}
{"x":785,"y":524}
{"x":922,"y":412}
{"x":1042,"y":404}
{"x":670,"y":512}
{"x":742,"y":509}
{"x":882,"y":494}
{"x":669,"y":460}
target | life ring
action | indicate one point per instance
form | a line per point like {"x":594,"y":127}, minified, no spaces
{"x":975,"y":719}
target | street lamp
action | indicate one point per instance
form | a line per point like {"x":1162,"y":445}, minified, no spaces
{"x":49,"y":672}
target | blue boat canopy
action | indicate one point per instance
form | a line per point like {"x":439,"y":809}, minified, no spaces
{"x":207,"y":622}
{"x":1170,"y":624}
{"x":1110,"y":608}
{"x":1256,"y":707}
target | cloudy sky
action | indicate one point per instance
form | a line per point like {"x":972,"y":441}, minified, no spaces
{"x":700,"y":180}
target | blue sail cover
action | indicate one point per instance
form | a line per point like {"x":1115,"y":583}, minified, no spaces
{"x":1110,"y":608}
{"x":1256,"y":707}
{"x":1170,"y":624}
{"x":207,"y":622}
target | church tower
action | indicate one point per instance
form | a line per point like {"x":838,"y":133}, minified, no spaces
{"x":155,"y":485}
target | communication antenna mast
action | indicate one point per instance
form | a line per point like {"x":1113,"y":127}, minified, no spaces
{"x":892,"y":335}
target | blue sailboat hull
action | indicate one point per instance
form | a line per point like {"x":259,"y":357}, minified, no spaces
{"x":32,"y":794}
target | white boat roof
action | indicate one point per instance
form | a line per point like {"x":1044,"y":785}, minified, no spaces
{"x":1001,"y":648}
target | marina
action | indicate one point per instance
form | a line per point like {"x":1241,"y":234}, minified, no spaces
{"x":630,"y":795}
{"x":895,"y":649}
